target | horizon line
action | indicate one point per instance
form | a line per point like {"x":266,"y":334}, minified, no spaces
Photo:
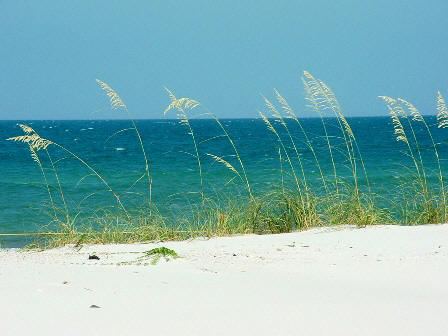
{"x":228,"y":118}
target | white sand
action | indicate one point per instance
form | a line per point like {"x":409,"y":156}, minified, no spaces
{"x":383,"y":280}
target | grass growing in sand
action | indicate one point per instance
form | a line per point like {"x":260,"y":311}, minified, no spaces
{"x":295,"y":204}
{"x":161,"y":252}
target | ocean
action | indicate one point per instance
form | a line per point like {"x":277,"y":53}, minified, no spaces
{"x":111,"y":147}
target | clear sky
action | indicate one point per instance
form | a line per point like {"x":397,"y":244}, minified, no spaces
{"x":223,"y":53}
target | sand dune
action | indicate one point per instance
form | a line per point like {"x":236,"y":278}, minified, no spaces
{"x":382,"y":280}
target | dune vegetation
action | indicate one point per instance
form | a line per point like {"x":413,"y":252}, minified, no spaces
{"x":294,"y":204}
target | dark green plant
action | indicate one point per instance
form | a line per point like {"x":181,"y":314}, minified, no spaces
{"x":159,"y":252}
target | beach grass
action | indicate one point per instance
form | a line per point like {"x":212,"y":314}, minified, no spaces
{"x":294,"y":204}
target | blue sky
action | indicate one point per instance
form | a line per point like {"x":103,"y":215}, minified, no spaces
{"x":222,"y":53}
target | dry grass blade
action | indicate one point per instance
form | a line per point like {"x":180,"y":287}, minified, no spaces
{"x":224,"y":162}
{"x":398,"y":126}
{"x":348,"y":129}
{"x":170,"y":93}
{"x":417,"y":116}
{"x":34,"y":141}
{"x":26,"y":129}
{"x":333,"y":104}
{"x":388,"y":100}
{"x":268,"y":123}
{"x":180,"y":104}
{"x":271,"y":107}
{"x":284,"y":104}
{"x":330,"y":97}
{"x":287,"y":109}
{"x":395,"y":105}
{"x":115,"y":100}
{"x":395,"y":112}
{"x":415,"y":113}
{"x":315,"y":93}
{"x":312,"y":83}
{"x":442,"y":115}
{"x":34,"y":155}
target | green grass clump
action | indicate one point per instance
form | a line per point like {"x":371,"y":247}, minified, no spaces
{"x":161,"y":252}
{"x":352,"y":208}
{"x":422,"y":202}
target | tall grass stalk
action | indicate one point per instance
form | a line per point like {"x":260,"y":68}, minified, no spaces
{"x":442,"y":111}
{"x":36,"y":158}
{"x":182,"y":105}
{"x":37,"y":143}
{"x":325,"y":99}
{"x":417,"y":148}
{"x":291,"y":114}
{"x":116,"y":103}
{"x":237,"y":154}
{"x":312,"y":96}
{"x":280,"y":119}
{"x":56,"y":174}
{"x":396,"y":111}
{"x":27,"y":130}
{"x":417,"y":116}
{"x":281,"y":168}
{"x":334,"y":104}
{"x":422,"y":206}
{"x":442,"y":118}
{"x":273,"y":130}
{"x":344,"y":127}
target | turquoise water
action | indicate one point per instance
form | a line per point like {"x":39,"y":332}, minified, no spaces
{"x":23,"y":197}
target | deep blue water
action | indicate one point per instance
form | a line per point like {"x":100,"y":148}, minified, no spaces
{"x":24,"y":199}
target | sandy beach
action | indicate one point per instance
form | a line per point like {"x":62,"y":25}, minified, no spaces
{"x":380,"y":280}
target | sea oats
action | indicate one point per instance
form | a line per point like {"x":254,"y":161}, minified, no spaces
{"x":36,"y":143}
{"x":181,"y":105}
{"x":284,"y":104}
{"x":442,"y":115}
{"x":26,"y":129}
{"x":291,"y":114}
{"x":34,"y":140}
{"x":115,"y":100}
{"x":398,"y":127}
{"x":268,"y":123}
{"x":224,"y":162}
{"x":271,"y":107}
{"x":273,"y":130}
{"x":388,"y":100}
{"x":414,"y":112}
{"x":417,"y":116}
